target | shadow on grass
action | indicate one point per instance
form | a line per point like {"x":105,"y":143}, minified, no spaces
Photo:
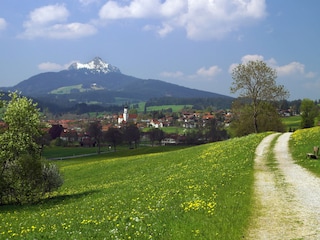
{"x":46,"y":202}
{"x":53,"y":200}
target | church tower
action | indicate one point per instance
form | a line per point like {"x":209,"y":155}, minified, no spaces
{"x":125,"y":114}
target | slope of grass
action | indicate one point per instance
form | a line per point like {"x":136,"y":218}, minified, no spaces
{"x":292,"y":122}
{"x":67,"y":90}
{"x":302,"y":142}
{"x":122,"y":150}
{"x":175,"y":108}
{"x":203,"y":192}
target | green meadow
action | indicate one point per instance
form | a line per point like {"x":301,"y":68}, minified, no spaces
{"x":292,"y":122}
{"x":175,"y":108}
{"x":301,"y":143}
{"x":202,"y":192}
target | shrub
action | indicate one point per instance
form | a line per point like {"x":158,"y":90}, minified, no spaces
{"x":51,"y":177}
{"x":27,"y":179}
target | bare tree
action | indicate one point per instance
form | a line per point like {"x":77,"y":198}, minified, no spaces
{"x":95,"y":130}
{"x":114,"y":136}
{"x":256,"y":82}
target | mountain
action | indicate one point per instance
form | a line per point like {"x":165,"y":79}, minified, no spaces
{"x":100,"y":82}
{"x":97,"y":65}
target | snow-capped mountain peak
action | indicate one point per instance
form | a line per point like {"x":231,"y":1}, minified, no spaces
{"x":97,"y":65}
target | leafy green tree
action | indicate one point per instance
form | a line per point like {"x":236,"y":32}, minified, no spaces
{"x":256,"y":82}
{"x":268,"y":119}
{"x":23,"y":121}
{"x":21,"y":168}
{"x":309,"y":111}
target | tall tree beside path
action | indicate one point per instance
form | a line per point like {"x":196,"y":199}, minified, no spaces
{"x":255,"y":82}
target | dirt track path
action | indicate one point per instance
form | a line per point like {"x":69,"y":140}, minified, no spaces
{"x":287,"y":197}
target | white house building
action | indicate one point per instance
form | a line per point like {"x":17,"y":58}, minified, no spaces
{"x":126,"y":117}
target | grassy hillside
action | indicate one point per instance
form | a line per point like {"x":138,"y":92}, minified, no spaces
{"x":175,"y":108}
{"x":292,"y":122}
{"x":302,"y":142}
{"x":203,"y":192}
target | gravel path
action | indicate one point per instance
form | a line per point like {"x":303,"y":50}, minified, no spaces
{"x":287,"y":196}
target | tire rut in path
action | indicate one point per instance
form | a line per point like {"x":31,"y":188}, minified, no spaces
{"x":287,"y":197}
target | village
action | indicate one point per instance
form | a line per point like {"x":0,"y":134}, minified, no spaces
{"x":173,"y":126}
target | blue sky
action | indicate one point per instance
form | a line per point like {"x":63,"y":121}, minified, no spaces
{"x":193,"y":43}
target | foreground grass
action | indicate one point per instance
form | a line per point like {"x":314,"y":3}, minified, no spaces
{"x":302,"y":142}
{"x":202,"y":192}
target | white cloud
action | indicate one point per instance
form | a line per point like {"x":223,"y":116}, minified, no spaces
{"x":50,"y":66}
{"x":311,"y":75}
{"x":202,"y":74}
{"x":215,"y":19}
{"x":248,"y":58}
{"x":163,"y":30}
{"x":176,"y":74}
{"x":210,"y":72}
{"x":290,"y":69}
{"x":47,"y":14}
{"x":202,"y":19}
{"x":245,"y":59}
{"x":50,"y":22}
{"x":3,"y":24}
{"x":172,"y":8}
{"x":136,"y":9}
{"x":88,"y":2}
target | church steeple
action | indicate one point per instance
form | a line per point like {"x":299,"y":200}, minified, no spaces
{"x":125,"y":114}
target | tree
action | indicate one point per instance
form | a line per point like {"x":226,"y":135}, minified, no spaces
{"x":95,"y":130}
{"x":55,"y":131}
{"x":156,"y":135}
{"x":267,"y":120}
{"x":309,"y":112}
{"x":114,"y":136}
{"x":194,"y":136}
{"x":132,"y":135}
{"x":21,"y":169}
{"x":215,"y":131}
{"x":255,"y":81}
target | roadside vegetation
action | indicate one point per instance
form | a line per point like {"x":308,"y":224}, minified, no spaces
{"x":302,"y":142}
{"x":203,"y":192}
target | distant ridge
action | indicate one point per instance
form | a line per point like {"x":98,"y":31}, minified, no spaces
{"x":99,"y":82}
